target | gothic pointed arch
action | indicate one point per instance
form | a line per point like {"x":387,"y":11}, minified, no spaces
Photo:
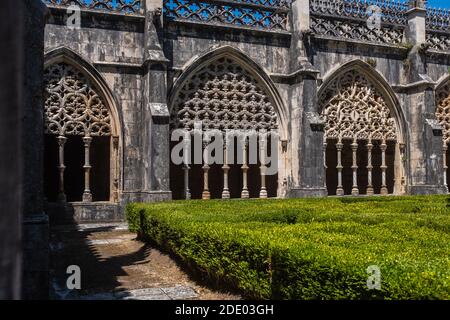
{"x":357,"y":81}
{"x":224,"y":89}
{"x":243,"y":89}
{"x":364,"y":132}
{"x":443,"y":107}
{"x":443,"y":116}
{"x":82,"y":117}
{"x":74,"y":61}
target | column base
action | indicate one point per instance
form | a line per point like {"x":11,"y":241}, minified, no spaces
{"x":206,"y":195}
{"x":245,"y":194}
{"x":370,"y":191}
{"x":263,"y":194}
{"x":226,"y":194}
{"x":340,"y":192}
{"x":62,"y":198}
{"x":87,"y":197}
{"x":355,"y":192}
{"x":384,"y":191}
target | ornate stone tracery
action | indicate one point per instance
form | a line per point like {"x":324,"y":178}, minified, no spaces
{"x":354,"y":109}
{"x":443,"y":110}
{"x":223,"y":95}
{"x":72,"y":104}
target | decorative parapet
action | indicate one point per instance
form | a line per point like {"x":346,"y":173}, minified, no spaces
{"x":391,"y":11}
{"x":438,"y":19}
{"x":350,"y":20}
{"x":438,"y":29}
{"x":269,"y":15}
{"x":116,"y":6}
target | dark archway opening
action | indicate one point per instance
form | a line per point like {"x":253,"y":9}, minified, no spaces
{"x":362,"y":162}
{"x":216,"y":179}
{"x":74,"y":171}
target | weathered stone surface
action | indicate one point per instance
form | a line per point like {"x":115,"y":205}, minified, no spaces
{"x":152,"y":56}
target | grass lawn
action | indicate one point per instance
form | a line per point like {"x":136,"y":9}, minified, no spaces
{"x":309,"y":248}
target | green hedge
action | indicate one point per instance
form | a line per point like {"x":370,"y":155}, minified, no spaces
{"x":309,"y":248}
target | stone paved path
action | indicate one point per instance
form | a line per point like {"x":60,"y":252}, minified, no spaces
{"x":116,"y":266}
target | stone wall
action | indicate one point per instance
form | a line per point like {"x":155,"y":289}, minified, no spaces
{"x":142,"y":54}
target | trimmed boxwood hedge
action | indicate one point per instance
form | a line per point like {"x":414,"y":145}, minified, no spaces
{"x":309,"y":248}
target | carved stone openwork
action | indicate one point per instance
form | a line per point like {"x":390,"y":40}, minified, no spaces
{"x":356,"y":111}
{"x":258,"y":14}
{"x":74,"y":107}
{"x":348,"y":20}
{"x":443,"y":111}
{"x":223,"y":95}
{"x":443,"y":116}
{"x":124,"y":6}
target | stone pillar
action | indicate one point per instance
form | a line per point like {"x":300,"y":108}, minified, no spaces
{"x":155,"y":119}
{"x":339,"y":167}
{"x":263,"y":168}
{"x":87,"y":195}
{"x":355,"y":190}
{"x":206,"y":195}
{"x":36,"y":222}
{"x":61,"y":168}
{"x":24,"y":252}
{"x":226,"y":170}
{"x":383,"y":147}
{"x":444,"y":149}
{"x":307,"y":134}
{"x":244,"y":194}
{"x":425,"y":155}
{"x":370,"y":191}
{"x":11,"y":165}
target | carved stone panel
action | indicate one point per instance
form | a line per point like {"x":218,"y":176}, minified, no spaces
{"x":72,"y":105}
{"x":223,"y":95}
{"x":355,"y":109}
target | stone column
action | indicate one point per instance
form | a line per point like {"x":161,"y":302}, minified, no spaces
{"x":445,"y":148}
{"x":339,"y":167}
{"x":87,"y":195}
{"x":383,"y":147}
{"x":61,"y":168}
{"x":187,"y":191}
{"x":355,"y":190}
{"x":263,"y":168}
{"x":206,"y":195}
{"x":370,"y":191}
{"x":425,"y":155}
{"x":11,"y":165}
{"x":244,"y":194}
{"x":155,"y":119}
{"x":24,"y":225}
{"x":226,"y":169}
